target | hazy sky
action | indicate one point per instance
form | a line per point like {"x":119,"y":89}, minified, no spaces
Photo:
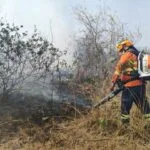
{"x":59,"y":14}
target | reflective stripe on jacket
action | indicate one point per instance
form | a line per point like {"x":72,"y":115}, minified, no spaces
{"x":127,"y":68}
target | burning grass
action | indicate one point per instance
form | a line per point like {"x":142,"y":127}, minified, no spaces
{"x":99,"y":129}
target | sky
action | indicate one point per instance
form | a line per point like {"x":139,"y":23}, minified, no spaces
{"x":57,"y":16}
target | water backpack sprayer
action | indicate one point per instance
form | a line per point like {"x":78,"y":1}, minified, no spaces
{"x":144,"y":74}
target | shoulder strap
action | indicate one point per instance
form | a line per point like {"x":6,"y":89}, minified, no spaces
{"x":134,"y":51}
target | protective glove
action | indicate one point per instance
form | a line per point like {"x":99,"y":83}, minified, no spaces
{"x":115,"y":78}
{"x":112,"y":87}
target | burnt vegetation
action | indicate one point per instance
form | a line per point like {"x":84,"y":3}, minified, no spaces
{"x":37,"y":122}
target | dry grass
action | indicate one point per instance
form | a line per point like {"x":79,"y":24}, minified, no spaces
{"x":97,"y":130}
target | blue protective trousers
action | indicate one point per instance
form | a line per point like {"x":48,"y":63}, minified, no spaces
{"x":137,"y":95}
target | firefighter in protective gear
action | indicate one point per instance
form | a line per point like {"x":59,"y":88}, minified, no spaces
{"x":126,"y":70}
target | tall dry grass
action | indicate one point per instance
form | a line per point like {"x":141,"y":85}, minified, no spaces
{"x":99,"y":129}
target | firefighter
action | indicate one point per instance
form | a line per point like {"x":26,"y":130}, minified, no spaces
{"x":134,"y":91}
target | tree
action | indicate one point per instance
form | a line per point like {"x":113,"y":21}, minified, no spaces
{"x":95,"y":43}
{"x":23,"y":56}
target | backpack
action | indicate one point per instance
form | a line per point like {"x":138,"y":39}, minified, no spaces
{"x":144,"y":65}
